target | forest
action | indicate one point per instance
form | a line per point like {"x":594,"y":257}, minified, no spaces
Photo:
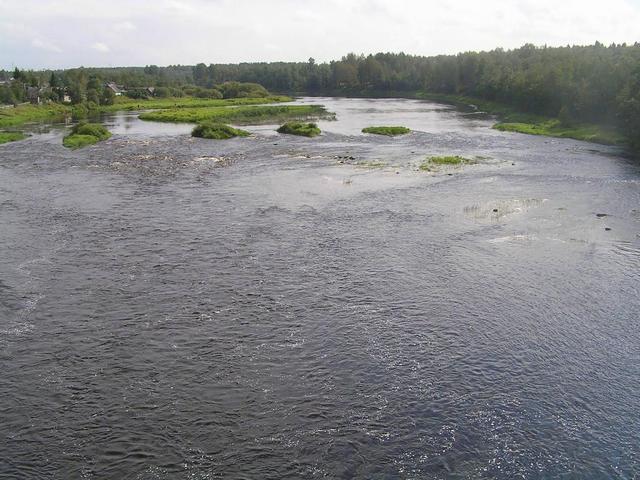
{"x":594,"y":84}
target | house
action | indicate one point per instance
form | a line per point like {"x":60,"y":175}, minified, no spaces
{"x":116,"y":89}
{"x":64,"y":95}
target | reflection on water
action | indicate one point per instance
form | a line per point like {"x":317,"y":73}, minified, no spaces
{"x":127,"y":123}
{"x":270,"y":307}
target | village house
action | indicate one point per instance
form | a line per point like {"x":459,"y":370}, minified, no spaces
{"x":116,"y":89}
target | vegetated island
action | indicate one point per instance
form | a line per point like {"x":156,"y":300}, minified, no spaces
{"x":242,"y":115}
{"x":217,"y":131}
{"x":450,"y":160}
{"x":300,"y":129}
{"x":388,"y":131}
{"x":84,"y":134}
{"x":6,"y":137}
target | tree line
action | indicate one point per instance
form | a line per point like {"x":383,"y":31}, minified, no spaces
{"x":577,"y":84}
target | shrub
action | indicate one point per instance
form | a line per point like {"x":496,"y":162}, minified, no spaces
{"x":242,"y":90}
{"x":93,"y":129}
{"x":208,"y":93}
{"x":84,"y":134}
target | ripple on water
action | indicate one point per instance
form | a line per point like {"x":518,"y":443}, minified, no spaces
{"x":267,"y":320}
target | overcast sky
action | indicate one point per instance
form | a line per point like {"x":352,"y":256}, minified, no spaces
{"x":68,"y":33}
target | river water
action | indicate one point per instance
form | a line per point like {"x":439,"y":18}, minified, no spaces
{"x":274,"y":307}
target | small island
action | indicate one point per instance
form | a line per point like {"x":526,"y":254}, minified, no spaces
{"x":451,"y":160}
{"x":388,"y":131}
{"x":84,"y":134}
{"x":217,"y":131}
{"x":299,"y":128}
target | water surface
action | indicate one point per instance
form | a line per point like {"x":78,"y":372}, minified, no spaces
{"x":269,"y":307}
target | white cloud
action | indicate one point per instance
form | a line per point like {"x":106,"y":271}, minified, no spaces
{"x":44,"y":45}
{"x":125,"y":26}
{"x":100,"y":47}
{"x":191,"y":31}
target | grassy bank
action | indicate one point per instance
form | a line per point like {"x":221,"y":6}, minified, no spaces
{"x":6,"y":137}
{"x":242,"y":115}
{"x":300,"y":129}
{"x":84,"y":134}
{"x":388,"y":131}
{"x":129,"y":104}
{"x":514,"y":121}
{"x":555,"y":128}
{"x":13,"y":116}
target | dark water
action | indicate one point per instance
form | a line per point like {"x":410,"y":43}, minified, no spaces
{"x":177,"y":308}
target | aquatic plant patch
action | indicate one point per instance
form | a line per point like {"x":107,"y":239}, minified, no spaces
{"x":299,"y":128}
{"x":217,"y":131}
{"x":388,"y":131}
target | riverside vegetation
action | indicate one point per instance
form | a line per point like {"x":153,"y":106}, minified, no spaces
{"x":6,"y":137}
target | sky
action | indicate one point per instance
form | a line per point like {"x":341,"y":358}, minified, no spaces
{"x":70,"y":33}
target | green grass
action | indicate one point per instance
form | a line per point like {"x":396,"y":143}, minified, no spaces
{"x":124,"y":103}
{"x":12,"y":116}
{"x":217,"y":131}
{"x":450,"y":160}
{"x":512,"y":120}
{"x":21,"y":114}
{"x":299,"y":128}
{"x":389,"y":131}
{"x":241,"y":115}
{"x":6,"y":137}
{"x":84,"y":134}
{"x":554,"y":128}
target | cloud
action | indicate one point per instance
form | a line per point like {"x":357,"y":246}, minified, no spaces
{"x":101,"y":47}
{"x":125,"y":26}
{"x":44,"y":45}
{"x":187,"y":31}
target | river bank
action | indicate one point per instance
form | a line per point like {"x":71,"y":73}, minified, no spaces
{"x":50,"y":112}
{"x":508,"y":118}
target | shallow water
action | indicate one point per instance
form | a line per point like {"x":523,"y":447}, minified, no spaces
{"x":270,"y":307}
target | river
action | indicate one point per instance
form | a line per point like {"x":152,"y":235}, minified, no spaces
{"x":274,"y":307}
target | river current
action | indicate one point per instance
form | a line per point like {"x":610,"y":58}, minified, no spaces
{"x":282,"y":307}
